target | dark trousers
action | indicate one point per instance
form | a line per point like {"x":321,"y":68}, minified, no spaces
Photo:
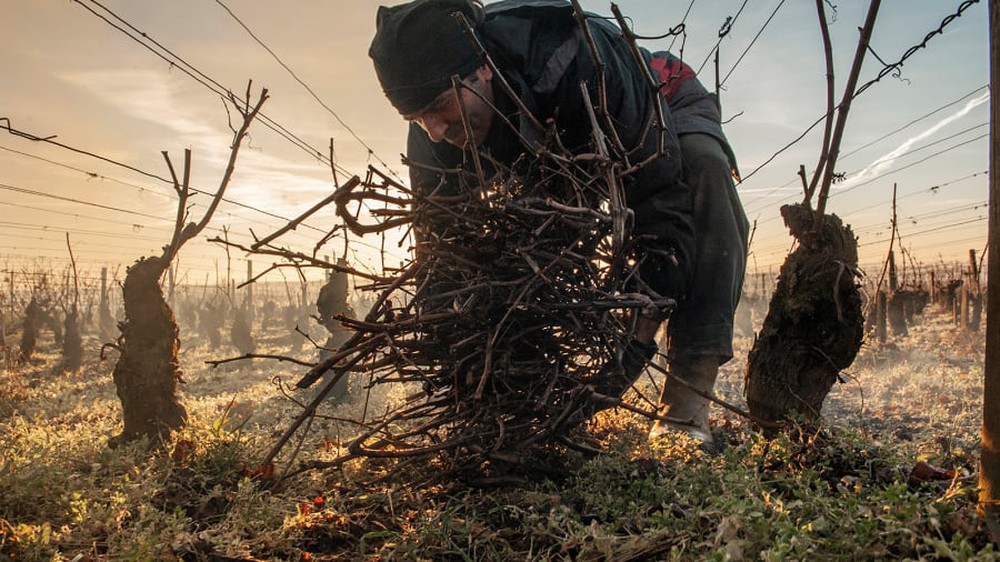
{"x":703,"y":321}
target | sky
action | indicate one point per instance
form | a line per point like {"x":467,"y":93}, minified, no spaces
{"x":70,"y":76}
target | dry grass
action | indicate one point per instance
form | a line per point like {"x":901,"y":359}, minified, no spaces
{"x":843,"y":495}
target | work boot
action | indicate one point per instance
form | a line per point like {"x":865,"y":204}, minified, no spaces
{"x":680,"y":402}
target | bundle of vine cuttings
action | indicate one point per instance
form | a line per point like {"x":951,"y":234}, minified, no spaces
{"x":510,"y":321}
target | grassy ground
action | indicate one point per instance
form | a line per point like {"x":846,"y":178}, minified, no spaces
{"x":889,"y":476}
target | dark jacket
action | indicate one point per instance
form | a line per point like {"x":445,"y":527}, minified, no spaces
{"x":544,"y":56}
{"x":695,"y":109}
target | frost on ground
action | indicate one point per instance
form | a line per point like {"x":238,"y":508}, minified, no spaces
{"x":847,"y":492}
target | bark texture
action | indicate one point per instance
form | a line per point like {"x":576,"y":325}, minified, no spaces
{"x":72,"y":341}
{"x":29,"y":332}
{"x":147,"y":371}
{"x":814,"y":325}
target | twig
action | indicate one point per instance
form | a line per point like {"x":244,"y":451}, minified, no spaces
{"x":183,"y":189}
{"x":310,"y":409}
{"x":76,"y":277}
{"x":653,"y":85}
{"x":828,"y":125}
{"x":845,"y":105}
{"x":292,"y":224}
{"x":711,"y":397}
{"x":245,"y":356}
{"x":470,"y":142}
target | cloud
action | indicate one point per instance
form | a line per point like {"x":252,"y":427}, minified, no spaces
{"x":882,"y":164}
{"x":147,"y":95}
{"x":154,"y":97}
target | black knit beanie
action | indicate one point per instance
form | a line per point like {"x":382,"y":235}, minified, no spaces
{"x":419,"y":46}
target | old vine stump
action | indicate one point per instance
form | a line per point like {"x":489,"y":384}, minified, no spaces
{"x":73,"y":341}
{"x":29,"y":333}
{"x":814,"y":325}
{"x":147,"y":371}
{"x":241,"y":333}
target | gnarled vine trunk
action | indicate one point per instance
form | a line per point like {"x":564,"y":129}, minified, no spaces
{"x":147,"y":371}
{"x":72,"y":341}
{"x":814,"y":325}
{"x":29,"y":332}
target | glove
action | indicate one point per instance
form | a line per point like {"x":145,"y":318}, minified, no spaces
{"x":616,"y":376}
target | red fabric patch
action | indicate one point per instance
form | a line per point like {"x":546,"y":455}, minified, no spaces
{"x":671,"y":72}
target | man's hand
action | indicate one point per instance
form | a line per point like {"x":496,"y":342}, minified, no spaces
{"x":645,"y":329}
{"x":616,"y":376}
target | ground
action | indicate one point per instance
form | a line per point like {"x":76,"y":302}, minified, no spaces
{"x":889,"y":475}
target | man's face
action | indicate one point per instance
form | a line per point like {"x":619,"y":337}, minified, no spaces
{"x":442,"y":118}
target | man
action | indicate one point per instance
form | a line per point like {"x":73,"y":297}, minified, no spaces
{"x":701,"y":330}
{"x":540,"y":51}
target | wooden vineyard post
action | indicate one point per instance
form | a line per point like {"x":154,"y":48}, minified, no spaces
{"x":894,"y":302}
{"x":893,"y":278}
{"x":989,"y":475}
{"x":250,"y":293}
{"x":881,"y":330}
{"x":933,"y":289}
{"x":974,"y":270}
{"x":975,"y":273}
{"x":963,"y":308}
{"x":976,"y":299}
{"x":955,"y":301}
{"x":10,"y":279}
